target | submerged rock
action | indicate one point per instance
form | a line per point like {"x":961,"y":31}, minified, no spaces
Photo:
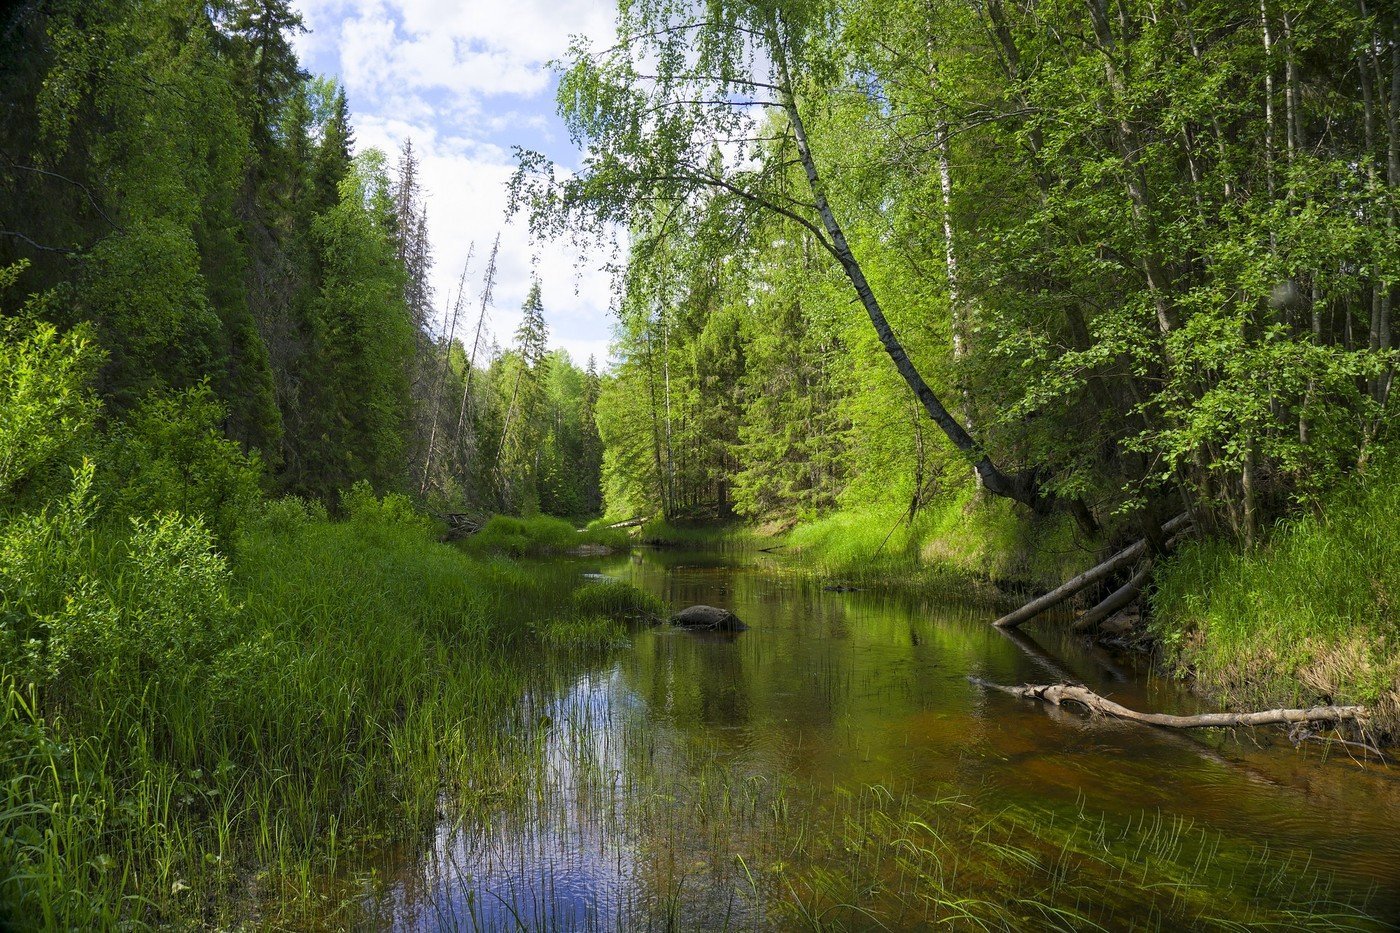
{"x":709,"y":619}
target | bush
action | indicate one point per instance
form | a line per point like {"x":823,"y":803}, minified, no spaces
{"x":170,"y":455}
{"x":286,"y":515}
{"x":78,"y":603}
{"x":46,"y":409}
{"x":363,"y":508}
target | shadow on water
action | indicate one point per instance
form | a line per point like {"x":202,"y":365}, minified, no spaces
{"x":833,"y":767}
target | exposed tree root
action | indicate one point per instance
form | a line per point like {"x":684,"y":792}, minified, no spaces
{"x":1059,"y":694}
{"x":1123,"y":558}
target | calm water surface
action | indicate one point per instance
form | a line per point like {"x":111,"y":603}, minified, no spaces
{"x":833,"y":765}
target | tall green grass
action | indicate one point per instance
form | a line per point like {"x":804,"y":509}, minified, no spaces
{"x":955,"y":544}
{"x":539,"y":535}
{"x":615,"y":599}
{"x":364,"y":675}
{"x":1312,"y":615}
{"x":662,"y":533}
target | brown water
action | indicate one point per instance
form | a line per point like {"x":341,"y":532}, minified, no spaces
{"x":834,"y":767}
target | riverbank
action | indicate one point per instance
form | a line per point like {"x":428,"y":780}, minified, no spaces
{"x":1309,"y":617}
{"x":225,"y":733}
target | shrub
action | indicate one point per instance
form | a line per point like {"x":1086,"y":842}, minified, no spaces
{"x":286,"y":515}
{"x":46,"y":409}
{"x":362,"y":507}
{"x":169,"y":455}
{"x":77,"y":602}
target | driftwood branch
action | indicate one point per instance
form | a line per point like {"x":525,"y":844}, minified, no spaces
{"x":1123,"y":558}
{"x":1060,"y":694}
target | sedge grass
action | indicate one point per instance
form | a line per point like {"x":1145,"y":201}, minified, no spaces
{"x":540,"y":535}
{"x":368,"y":674}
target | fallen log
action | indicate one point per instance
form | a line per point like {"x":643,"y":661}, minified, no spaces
{"x":1089,"y":577}
{"x":1060,"y":694}
{"x":1116,"y":600}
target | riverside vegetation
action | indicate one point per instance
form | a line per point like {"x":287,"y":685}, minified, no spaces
{"x":239,"y":669}
{"x":997,"y":288}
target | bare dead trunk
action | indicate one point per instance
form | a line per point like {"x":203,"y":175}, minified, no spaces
{"x":1089,"y":577}
{"x":442,"y":372}
{"x":486,"y":291}
{"x":1059,"y":694}
{"x":1118,"y":599}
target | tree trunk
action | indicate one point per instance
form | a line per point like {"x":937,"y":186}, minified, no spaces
{"x":442,"y":373}
{"x":1020,"y":487}
{"x":1118,"y":599}
{"x":1059,"y":694}
{"x":1063,"y":592}
{"x":487,"y":288}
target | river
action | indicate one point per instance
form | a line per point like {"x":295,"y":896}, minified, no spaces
{"x":833,"y":767}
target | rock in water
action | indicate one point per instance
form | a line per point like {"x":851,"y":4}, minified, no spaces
{"x":708,"y":618}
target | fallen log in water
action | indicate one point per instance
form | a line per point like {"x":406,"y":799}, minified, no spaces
{"x":1089,"y":577}
{"x":1060,"y":694}
{"x":1118,"y":599}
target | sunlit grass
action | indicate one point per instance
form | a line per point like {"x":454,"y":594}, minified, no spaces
{"x":539,"y":535}
{"x":957,"y":545}
{"x":372,"y":675}
{"x":1312,"y":615}
{"x":616,"y":599}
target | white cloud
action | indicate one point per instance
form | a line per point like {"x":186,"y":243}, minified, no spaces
{"x":465,"y":81}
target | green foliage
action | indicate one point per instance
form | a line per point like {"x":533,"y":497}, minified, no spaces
{"x":215,"y":720}
{"x":145,"y":290}
{"x":615,"y":599}
{"x":81,"y":603}
{"x":1176,"y":279}
{"x":1311,"y":615}
{"x":46,"y":407}
{"x":170,"y":454}
{"x":366,"y":340}
{"x":539,"y":534}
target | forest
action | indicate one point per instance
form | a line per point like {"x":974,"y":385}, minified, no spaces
{"x":316,"y":592}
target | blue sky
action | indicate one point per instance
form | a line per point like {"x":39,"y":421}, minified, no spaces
{"x":467,"y":81}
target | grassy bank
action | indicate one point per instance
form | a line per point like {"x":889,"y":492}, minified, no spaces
{"x":661,"y":533}
{"x":540,"y":535}
{"x":1310,"y":616}
{"x":960,"y":544}
{"x":217,"y":735}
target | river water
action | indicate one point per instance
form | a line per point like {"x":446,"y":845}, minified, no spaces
{"x":834,"y":767}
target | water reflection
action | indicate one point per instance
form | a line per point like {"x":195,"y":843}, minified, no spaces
{"x":676,"y":784}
